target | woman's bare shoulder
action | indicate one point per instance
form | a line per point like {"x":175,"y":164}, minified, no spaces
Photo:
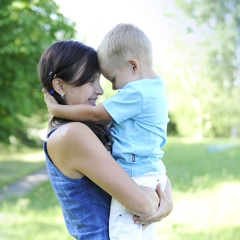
{"x":71,"y":134}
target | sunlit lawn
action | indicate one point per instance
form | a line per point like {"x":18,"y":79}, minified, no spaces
{"x":206,"y":191}
{"x":17,"y":163}
{"x":204,"y":215}
{"x":36,"y":216}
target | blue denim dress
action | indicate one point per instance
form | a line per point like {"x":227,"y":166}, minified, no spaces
{"x":85,"y":206}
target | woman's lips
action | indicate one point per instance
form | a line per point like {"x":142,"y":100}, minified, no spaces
{"x":92,"y":101}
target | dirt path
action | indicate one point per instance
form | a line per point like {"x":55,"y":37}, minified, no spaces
{"x":24,"y":185}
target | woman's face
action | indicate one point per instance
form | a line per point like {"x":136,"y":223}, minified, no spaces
{"x":85,"y":94}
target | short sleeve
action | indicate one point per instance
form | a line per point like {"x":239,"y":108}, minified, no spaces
{"x":126,"y":103}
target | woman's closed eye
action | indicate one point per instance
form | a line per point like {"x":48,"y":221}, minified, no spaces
{"x":92,"y":80}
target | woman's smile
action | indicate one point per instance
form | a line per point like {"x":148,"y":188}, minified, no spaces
{"x":92,"y":101}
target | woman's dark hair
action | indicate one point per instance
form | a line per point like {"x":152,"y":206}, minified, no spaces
{"x":72,"y":61}
{"x":76,"y":64}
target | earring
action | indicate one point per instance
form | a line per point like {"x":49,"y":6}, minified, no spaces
{"x":62,"y":95}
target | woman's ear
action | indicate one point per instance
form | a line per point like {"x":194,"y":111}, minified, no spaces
{"x":134,"y":65}
{"x":57,"y":84}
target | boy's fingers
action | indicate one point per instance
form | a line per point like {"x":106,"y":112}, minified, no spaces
{"x":44,"y":91}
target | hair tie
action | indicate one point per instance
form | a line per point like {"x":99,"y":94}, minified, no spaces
{"x":52,"y":74}
{"x":52,"y":92}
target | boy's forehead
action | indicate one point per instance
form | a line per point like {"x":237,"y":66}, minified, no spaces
{"x":105,"y":69}
{"x":107,"y":74}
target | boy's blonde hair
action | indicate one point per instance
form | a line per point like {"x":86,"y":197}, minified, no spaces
{"x":123,"y":42}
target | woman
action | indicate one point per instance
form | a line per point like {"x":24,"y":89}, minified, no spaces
{"x":82,"y":172}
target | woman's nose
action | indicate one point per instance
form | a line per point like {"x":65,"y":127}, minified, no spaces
{"x":98,"y":89}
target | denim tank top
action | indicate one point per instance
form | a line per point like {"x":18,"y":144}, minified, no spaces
{"x":85,"y":206}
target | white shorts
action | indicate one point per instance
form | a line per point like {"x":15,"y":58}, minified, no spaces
{"x":121,"y":224}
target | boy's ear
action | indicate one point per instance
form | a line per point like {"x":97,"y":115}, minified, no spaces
{"x":134,"y":65}
{"x":57,"y":84}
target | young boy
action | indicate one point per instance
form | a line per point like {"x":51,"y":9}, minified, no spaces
{"x":139,"y":115}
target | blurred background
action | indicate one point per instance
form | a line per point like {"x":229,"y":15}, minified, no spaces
{"x":196,"y":48}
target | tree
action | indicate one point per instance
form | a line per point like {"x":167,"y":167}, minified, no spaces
{"x":208,"y":69}
{"x":27,"y":27}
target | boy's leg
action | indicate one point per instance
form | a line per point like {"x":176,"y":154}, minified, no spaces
{"x":151,"y":180}
{"x":121,"y":224}
{"x":150,"y":233}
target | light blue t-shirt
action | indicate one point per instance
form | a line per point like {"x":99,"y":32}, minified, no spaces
{"x":140,"y":113}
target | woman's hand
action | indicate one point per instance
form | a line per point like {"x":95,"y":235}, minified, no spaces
{"x":165,"y":208}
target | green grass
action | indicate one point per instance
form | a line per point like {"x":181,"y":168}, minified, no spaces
{"x":192,"y":167}
{"x":36,"y":216}
{"x":206,"y":190}
{"x":206,"y":194}
{"x":17,"y":163}
{"x":204,"y":215}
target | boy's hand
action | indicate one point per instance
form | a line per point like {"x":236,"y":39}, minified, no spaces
{"x":49,"y":100}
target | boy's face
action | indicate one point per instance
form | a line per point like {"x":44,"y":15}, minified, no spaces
{"x":119,"y":77}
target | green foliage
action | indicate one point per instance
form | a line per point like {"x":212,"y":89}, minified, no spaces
{"x":27,"y":27}
{"x":205,"y":84}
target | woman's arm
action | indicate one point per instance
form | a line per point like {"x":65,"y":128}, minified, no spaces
{"x":81,"y":153}
{"x":166,"y":206}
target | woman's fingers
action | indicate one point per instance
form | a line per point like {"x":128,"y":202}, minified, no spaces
{"x":165,"y":208}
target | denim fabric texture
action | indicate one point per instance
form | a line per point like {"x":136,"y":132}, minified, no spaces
{"x":85,"y":206}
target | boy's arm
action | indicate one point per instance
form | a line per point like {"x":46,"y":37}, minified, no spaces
{"x":80,"y":112}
